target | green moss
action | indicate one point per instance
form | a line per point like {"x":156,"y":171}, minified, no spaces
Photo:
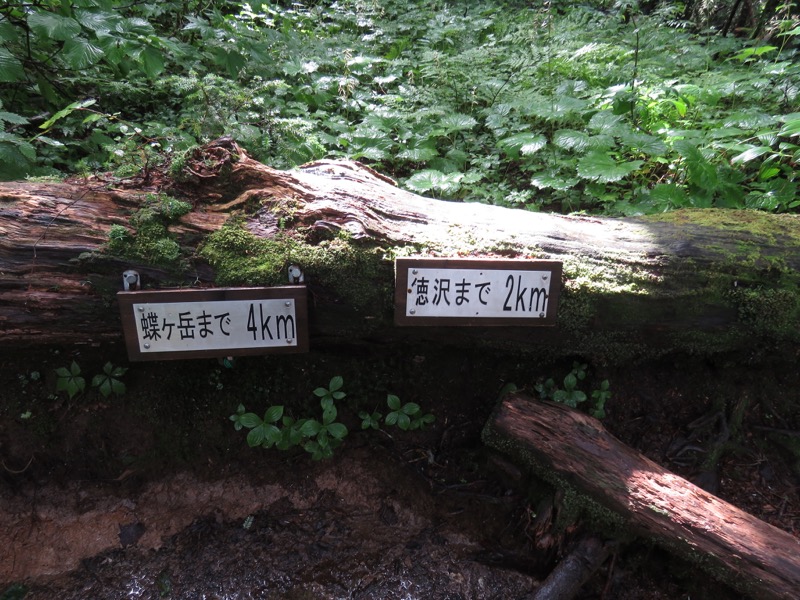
{"x":151,"y":241}
{"x":360,"y":277}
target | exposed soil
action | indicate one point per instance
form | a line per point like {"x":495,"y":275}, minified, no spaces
{"x":153,"y":494}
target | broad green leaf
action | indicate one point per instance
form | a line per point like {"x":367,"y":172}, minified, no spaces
{"x":600,"y":166}
{"x":272,"y":435}
{"x":669,"y":195}
{"x":53,"y":26}
{"x":49,"y":141}
{"x":424,"y":181}
{"x":320,"y":392}
{"x":522,"y":144}
{"x":329,"y":415}
{"x":273,"y":414}
{"x":790,"y":128}
{"x":336,"y":383}
{"x":457,"y":122}
{"x":337,"y":430}
{"x":544,"y":181}
{"x":256,"y":436}
{"x":80,"y":53}
{"x":601,"y":141}
{"x":152,"y":62}
{"x":250,"y":420}
{"x":372,"y":153}
{"x":393,"y":402}
{"x":750,"y":120}
{"x":11,"y":69}
{"x":768,"y":173}
{"x":8,"y":33}
{"x":418,"y":154}
{"x":751,"y":154}
{"x":606,"y":121}
{"x":410,"y":408}
{"x":647,"y":144}
{"x":569,"y":139}
{"x":310,"y":428}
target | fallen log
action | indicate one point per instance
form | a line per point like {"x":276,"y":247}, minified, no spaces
{"x":699,"y":281}
{"x":633,"y":493}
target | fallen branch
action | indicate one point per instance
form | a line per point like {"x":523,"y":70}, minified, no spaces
{"x":568,"y":447}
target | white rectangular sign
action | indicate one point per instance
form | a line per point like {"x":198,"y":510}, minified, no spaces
{"x":196,"y":323}
{"x":444,"y":291}
{"x":478,"y":293}
{"x":184,"y":326}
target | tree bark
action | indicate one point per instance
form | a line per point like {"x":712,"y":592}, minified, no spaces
{"x":565,"y":445}
{"x":700,"y":281}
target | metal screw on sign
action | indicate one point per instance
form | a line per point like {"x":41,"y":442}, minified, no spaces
{"x":296,"y":274}
{"x":414,"y":271}
{"x":130,"y":280}
{"x":147,"y":346}
{"x":287,"y":303}
{"x":541,"y":315}
{"x":545,"y":277}
{"x":412,"y":312}
{"x":141,"y":309}
{"x":288,"y":341}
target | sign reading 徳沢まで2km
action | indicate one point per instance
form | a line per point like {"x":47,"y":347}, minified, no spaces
{"x":214,"y":322}
{"x":443,"y":291}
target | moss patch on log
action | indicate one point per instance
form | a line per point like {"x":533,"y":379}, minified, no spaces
{"x":151,"y":240}
{"x":360,"y":276}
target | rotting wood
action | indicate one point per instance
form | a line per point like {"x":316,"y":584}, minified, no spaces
{"x":692,"y":281}
{"x":568,"y":447}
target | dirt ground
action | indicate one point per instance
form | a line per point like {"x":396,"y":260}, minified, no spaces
{"x":154,"y":494}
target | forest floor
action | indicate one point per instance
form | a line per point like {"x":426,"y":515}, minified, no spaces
{"x":153,"y":494}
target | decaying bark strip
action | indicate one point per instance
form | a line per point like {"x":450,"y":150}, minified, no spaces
{"x":563,"y":444}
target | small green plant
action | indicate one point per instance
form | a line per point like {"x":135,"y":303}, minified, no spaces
{"x":108,"y":381}
{"x":70,"y":380}
{"x":600,"y":397}
{"x":318,"y":438}
{"x":370,"y":421}
{"x":406,"y":416}
{"x":321,"y":437}
{"x":572,"y":395}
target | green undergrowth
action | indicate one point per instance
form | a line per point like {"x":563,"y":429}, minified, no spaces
{"x":585,"y":107}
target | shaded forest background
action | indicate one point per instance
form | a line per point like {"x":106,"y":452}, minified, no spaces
{"x":616,"y":108}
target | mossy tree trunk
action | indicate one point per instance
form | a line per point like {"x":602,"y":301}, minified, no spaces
{"x":700,"y":281}
{"x":626,"y":493}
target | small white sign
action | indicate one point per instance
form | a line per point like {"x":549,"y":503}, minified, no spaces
{"x":198,"y":323}
{"x":223,"y":325}
{"x":476,"y":292}
{"x":482,"y":293}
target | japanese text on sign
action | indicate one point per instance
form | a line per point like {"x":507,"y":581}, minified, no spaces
{"x":174,"y":324}
{"x":221,"y":325}
{"x":478,"y":293}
